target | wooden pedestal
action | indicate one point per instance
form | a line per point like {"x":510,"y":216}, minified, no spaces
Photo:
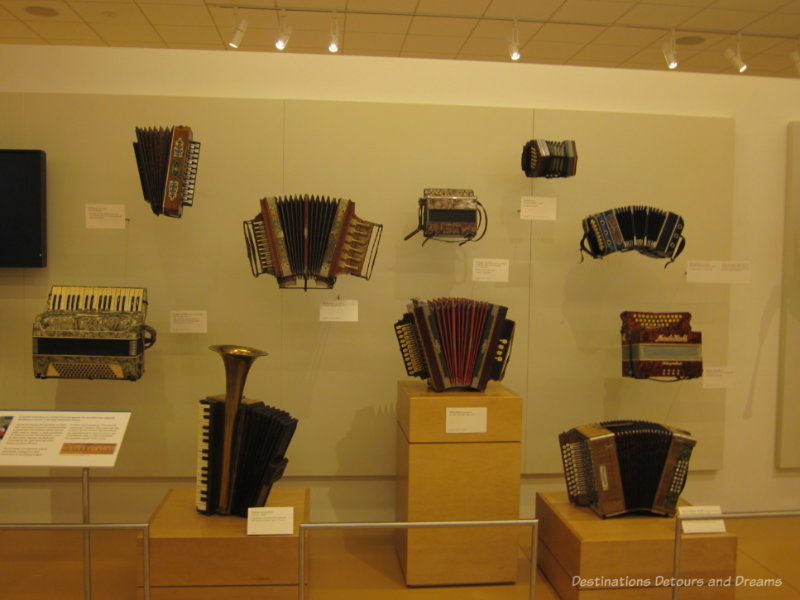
{"x":199,"y":557}
{"x":628,"y":557}
{"x":449,"y":471}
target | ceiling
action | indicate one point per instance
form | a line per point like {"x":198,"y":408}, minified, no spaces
{"x":601,"y":33}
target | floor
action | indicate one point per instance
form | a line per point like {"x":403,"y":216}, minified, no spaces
{"x":351,"y":565}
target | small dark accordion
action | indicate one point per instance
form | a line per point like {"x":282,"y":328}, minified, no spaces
{"x":543,"y":158}
{"x":660,"y":345}
{"x":261,"y":438}
{"x":452,"y":215}
{"x":649,"y":231}
{"x":167,"y":160}
{"x":618,"y":467}
{"x":92,"y":333}
{"x":455,"y":342}
{"x":307,"y":241}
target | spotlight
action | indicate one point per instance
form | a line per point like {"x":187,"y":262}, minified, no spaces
{"x":670,"y":53}
{"x":513,"y":43}
{"x":238,"y":33}
{"x":735,"y":58}
{"x":334,"y":45}
{"x":285,"y":33}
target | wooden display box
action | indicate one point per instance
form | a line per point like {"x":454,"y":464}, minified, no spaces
{"x":631,"y":557}
{"x":199,"y":557}
{"x":449,"y":471}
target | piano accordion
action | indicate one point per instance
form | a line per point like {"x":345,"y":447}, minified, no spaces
{"x":167,"y":160}
{"x":262,"y":436}
{"x":647,"y":230}
{"x":92,"y":333}
{"x":618,"y":467}
{"x":449,"y":214}
{"x":660,"y":345}
{"x":455,"y":343}
{"x":307,"y":241}
{"x":543,"y":158}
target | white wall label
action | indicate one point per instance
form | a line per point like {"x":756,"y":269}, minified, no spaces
{"x":472,"y":419}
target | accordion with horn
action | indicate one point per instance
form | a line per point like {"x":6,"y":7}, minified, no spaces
{"x":455,"y":342}
{"x":543,"y":158}
{"x":660,"y":345}
{"x":92,"y":333}
{"x":307,"y":241}
{"x":618,"y":467}
{"x":650,"y":231}
{"x":167,"y":160}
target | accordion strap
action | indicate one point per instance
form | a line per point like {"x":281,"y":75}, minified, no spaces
{"x":148,"y":336}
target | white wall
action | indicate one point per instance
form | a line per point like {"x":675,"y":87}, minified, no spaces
{"x":761,"y":108}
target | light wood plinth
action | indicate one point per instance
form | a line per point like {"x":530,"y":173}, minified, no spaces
{"x":212,"y":557}
{"x":628,"y":557}
{"x":472,"y":476}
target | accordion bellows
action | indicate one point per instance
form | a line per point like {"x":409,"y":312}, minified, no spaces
{"x":167,"y":159}
{"x":307,"y":241}
{"x":544,"y":158}
{"x":92,"y":333}
{"x":455,"y":342}
{"x":650,"y":231}
{"x":660,"y":346}
{"x":617,"y":467}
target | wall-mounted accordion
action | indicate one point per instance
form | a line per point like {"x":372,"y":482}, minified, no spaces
{"x":618,"y":467}
{"x":543,"y":158}
{"x":455,"y":342}
{"x":649,"y":231}
{"x":92,"y":333}
{"x":452,"y":215}
{"x":660,"y":345}
{"x":241,"y":443}
{"x":307,"y":241}
{"x":167,"y":160}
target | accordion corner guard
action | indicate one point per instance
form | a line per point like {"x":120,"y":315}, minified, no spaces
{"x":544,"y":158}
{"x":167,"y":159}
{"x":618,"y":467}
{"x":660,"y":346}
{"x":650,"y":231}
{"x":92,"y":333}
{"x":455,"y":343}
{"x":305,"y":242}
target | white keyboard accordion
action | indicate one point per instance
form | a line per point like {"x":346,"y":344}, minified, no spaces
{"x":92,"y":333}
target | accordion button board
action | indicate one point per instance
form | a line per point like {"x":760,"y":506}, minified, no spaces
{"x":92,"y":333}
{"x":305,"y":242}
{"x":455,"y":343}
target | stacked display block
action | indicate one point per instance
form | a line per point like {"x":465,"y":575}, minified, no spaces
{"x":458,"y":459}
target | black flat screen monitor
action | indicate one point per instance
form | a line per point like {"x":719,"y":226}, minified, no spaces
{"x":23,"y":202}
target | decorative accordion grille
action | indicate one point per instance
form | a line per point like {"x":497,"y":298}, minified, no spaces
{"x":84,"y":370}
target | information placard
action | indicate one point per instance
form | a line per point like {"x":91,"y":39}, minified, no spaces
{"x":61,"y":438}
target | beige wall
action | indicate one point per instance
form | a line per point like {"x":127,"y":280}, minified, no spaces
{"x":745,"y":477}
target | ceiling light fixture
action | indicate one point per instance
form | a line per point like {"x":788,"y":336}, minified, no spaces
{"x":671,"y":53}
{"x":239,"y":29}
{"x":334,"y":45}
{"x":285,"y":33}
{"x":735,"y":58}
{"x":513,"y":43}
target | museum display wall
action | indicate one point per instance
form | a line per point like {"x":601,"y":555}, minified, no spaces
{"x":339,"y":378}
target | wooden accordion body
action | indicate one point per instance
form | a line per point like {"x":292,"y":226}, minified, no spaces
{"x":307,"y":241}
{"x":167,"y":159}
{"x":455,"y":342}
{"x":92,"y":333}
{"x":618,"y":467}
{"x":660,"y":346}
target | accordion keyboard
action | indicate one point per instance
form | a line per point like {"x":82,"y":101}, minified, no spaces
{"x":100,"y":299}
